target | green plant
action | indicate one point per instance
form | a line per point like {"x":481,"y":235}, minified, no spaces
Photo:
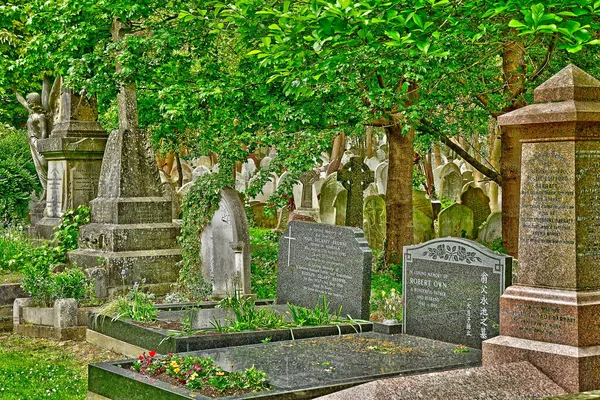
{"x":135,"y":305}
{"x":199,"y":206}
{"x":197,"y":373}
{"x":264,"y":245}
{"x":248,"y":317}
{"x":497,"y":245}
{"x":38,"y":283}
{"x":320,"y":315}
{"x":389,"y":305}
{"x":18,"y":177}
{"x":67,"y":233}
{"x":72,"y":284}
{"x":445,"y":203}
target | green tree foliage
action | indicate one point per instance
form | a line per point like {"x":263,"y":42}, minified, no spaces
{"x":18,"y":178}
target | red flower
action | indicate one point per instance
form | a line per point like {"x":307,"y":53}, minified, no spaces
{"x":197,"y":368}
{"x":141,"y":357}
{"x":152,"y":353}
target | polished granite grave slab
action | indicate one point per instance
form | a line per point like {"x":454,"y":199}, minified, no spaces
{"x":303,"y":368}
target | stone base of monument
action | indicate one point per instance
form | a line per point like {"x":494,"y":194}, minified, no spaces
{"x":556,"y":330}
{"x":576,"y":369}
{"x":158,"y":267}
{"x":44,"y":228}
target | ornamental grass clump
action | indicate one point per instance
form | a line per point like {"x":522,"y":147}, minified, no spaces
{"x":200,"y":374}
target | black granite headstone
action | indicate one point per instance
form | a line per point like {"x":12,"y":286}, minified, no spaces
{"x":452,"y":290}
{"x":318,"y":259}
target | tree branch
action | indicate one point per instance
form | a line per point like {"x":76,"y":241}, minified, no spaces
{"x":490,"y":173}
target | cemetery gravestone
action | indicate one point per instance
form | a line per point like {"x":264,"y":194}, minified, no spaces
{"x":452,"y":290}
{"x":375,"y":221}
{"x":422,"y":226}
{"x":492,"y":229}
{"x":450,"y":182}
{"x":318,"y":259}
{"x":456,"y":221}
{"x":437,"y":178}
{"x":356,"y":177}
{"x":225,"y":248}
{"x":74,"y":152}
{"x":329,"y":192}
{"x":422,"y":203}
{"x":308,"y":205}
{"x":341,"y":205}
{"x":132,"y":227}
{"x":551,"y":316}
{"x":381,"y":177}
{"x":474,"y":198}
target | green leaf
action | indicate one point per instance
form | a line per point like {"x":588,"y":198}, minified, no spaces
{"x":393,"y":35}
{"x":252,"y":52}
{"x":516,"y":24}
{"x":274,"y":27}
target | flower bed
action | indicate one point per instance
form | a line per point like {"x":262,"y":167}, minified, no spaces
{"x":200,"y":374}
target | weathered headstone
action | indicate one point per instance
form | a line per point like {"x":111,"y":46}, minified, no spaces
{"x":422,"y":203}
{"x":492,"y":228}
{"x":474,"y":198}
{"x":341,"y":205}
{"x":467,"y":176}
{"x":375,"y":221}
{"x":261,"y":218}
{"x":437,"y":179}
{"x":132,"y":225}
{"x":309,"y":205}
{"x":452,"y":290}
{"x":381,"y":177}
{"x":356,"y":177}
{"x":456,"y":221}
{"x":450,"y":182}
{"x":422,"y":227}
{"x":550,"y":317}
{"x":318,"y":259}
{"x":329,"y":192}
{"x":225,"y":248}
{"x":74,"y":153}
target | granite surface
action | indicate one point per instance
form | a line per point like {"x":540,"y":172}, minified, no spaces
{"x":318,"y":259}
{"x":452,"y":290}
{"x":504,"y":382}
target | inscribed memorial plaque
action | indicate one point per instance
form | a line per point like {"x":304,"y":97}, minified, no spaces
{"x":318,"y":259}
{"x":452,"y":290}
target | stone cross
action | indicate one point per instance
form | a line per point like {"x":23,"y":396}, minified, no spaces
{"x":289,"y":238}
{"x":308,"y":179}
{"x":355,"y":177}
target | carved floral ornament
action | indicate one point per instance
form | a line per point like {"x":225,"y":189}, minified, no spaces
{"x":451,"y":253}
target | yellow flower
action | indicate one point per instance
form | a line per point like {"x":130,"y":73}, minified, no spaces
{"x":176,"y":370}
{"x":174,"y":364}
{"x":193,"y":376}
{"x":220,"y":373}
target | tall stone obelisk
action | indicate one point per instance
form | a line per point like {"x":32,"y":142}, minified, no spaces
{"x":132,"y":228}
{"x":551,"y":316}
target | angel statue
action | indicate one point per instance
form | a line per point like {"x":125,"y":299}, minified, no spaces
{"x":42,"y":110}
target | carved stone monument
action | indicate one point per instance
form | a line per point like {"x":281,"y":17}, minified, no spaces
{"x":551,"y":316}
{"x":132,"y":228}
{"x":74,"y":154}
{"x":356,"y":177}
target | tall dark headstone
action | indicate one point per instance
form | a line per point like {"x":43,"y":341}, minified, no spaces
{"x":551,"y":316}
{"x":132,"y":228}
{"x":318,"y":259}
{"x":452,"y":290}
{"x":356,"y":177}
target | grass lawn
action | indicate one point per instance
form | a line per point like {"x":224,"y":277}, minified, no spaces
{"x":39,"y":368}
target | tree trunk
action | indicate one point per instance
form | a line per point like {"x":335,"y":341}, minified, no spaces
{"x":495,"y":153}
{"x":513,"y":65}
{"x":399,"y":193}
{"x":437,"y":156}
{"x":337,"y":151}
{"x":477,"y":176}
{"x":369,"y":135}
{"x":430,"y":187}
